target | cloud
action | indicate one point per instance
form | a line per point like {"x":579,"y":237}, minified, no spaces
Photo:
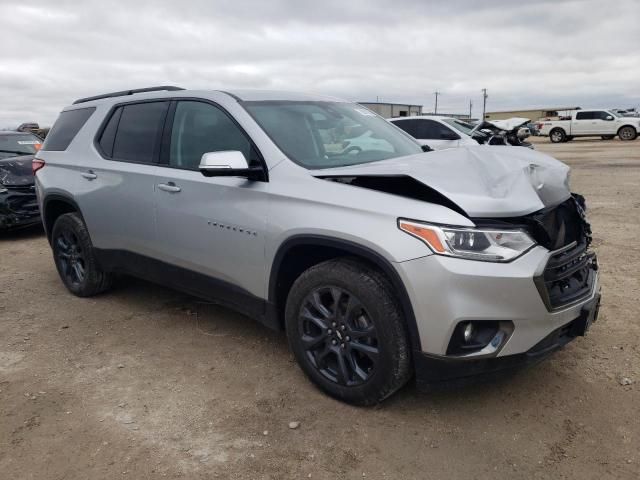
{"x":526,"y":53}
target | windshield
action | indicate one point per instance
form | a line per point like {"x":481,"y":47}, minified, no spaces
{"x":330,"y":134}
{"x":459,"y":125}
{"x":12,"y":145}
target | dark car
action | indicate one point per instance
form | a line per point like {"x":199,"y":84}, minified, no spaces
{"x":18,"y":204}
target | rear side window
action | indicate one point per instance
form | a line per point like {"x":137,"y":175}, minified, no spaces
{"x":66,"y":128}
{"x":133,"y":132}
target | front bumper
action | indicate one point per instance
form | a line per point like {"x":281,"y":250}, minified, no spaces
{"x":434,"y":372}
{"x":18,"y":208}
{"x":445,"y":291}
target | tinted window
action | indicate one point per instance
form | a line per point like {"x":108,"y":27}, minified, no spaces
{"x":432,"y":130}
{"x":109,"y":133}
{"x":409,"y":126}
{"x":199,"y":128}
{"x":139,"y":130}
{"x":425,"y":129}
{"x":66,"y":128}
{"x":601,"y":115}
{"x":584,"y":116}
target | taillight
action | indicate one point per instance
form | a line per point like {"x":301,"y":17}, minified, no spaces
{"x":36,"y":164}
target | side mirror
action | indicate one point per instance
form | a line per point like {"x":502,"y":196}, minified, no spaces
{"x":609,"y":118}
{"x":426,"y":148}
{"x":230,"y":163}
{"x":449,"y":136}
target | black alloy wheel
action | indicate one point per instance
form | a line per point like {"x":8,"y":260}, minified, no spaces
{"x":70,"y":256}
{"x":338,"y":336}
{"x":75,"y":257}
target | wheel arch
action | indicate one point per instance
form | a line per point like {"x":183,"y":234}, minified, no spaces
{"x":54,"y":205}
{"x":627,"y":125}
{"x":313,"y":249}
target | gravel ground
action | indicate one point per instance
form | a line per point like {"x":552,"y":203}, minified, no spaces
{"x":144,"y":382}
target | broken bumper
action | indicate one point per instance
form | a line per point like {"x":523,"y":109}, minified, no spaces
{"x":446,"y":292}
{"x":18,"y":208}
{"x":434,"y":372}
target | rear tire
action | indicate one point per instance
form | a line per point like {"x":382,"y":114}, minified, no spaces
{"x":557,"y":135}
{"x":347,"y":332}
{"x":75,"y":258}
{"x":627,"y":133}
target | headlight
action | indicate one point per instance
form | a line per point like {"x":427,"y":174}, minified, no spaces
{"x":488,"y":245}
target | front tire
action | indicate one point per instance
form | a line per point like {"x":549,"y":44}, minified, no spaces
{"x":627,"y":133}
{"x":347,"y":332}
{"x":75,"y":258}
{"x":557,"y":135}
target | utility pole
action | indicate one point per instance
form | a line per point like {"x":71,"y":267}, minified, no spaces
{"x":435,"y":110}
{"x":484,"y":102}
{"x":470,"y":107}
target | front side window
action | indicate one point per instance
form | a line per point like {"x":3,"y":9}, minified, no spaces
{"x":433,"y":130}
{"x":12,"y":145}
{"x":200,"y":128}
{"x":330,"y":134}
{"x":133,"y":132}
{"x":602,"y":115}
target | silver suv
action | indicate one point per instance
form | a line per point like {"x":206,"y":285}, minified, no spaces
{"x":381,"y":262}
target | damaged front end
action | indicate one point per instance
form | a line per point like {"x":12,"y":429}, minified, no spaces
{"x":18,"y":202}
{"x":569,"y":275}
{"x":18,"y":207}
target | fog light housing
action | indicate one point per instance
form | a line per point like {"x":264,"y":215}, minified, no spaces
{"x":479,"y":337}
{"x":468,"y":332}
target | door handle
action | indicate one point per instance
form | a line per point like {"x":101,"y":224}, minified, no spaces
{"x":89,"y":175}
{"x":169,"y":187}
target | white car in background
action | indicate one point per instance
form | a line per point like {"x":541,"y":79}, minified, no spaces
{"x":437,"y":132}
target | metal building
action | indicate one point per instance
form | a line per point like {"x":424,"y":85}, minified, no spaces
{"x":388,"y":110}
{"x":533,"y":114}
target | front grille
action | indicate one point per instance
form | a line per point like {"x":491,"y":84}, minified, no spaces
{"x":570,"y":272}
{"x":568,"y":276}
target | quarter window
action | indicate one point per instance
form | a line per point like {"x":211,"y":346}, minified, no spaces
{"x":66,"y":128}
{"x":199,"y":128}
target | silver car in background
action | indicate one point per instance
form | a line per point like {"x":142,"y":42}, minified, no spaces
{"x":381,"y":262}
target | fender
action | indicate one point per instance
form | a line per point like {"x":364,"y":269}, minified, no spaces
{"x":61,"y":197}
{"x":354,"y":249}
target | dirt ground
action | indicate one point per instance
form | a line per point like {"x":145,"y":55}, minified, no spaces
{"x":144,"y":382}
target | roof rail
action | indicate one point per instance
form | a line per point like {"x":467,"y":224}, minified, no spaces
{"x":167,"y":88}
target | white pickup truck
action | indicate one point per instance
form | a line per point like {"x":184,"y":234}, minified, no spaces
{"x":591,"y":123}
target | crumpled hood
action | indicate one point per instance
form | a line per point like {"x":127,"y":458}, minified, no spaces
{"x":16,"y":171}
{"x":509,"y":123}
{"x":484,"y":181}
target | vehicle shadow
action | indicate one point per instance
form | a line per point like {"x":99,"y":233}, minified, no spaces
{"x":221,"y":325}
{"x":26,"y":233}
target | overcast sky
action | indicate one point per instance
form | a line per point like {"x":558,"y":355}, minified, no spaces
{"x":526,"y":53}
